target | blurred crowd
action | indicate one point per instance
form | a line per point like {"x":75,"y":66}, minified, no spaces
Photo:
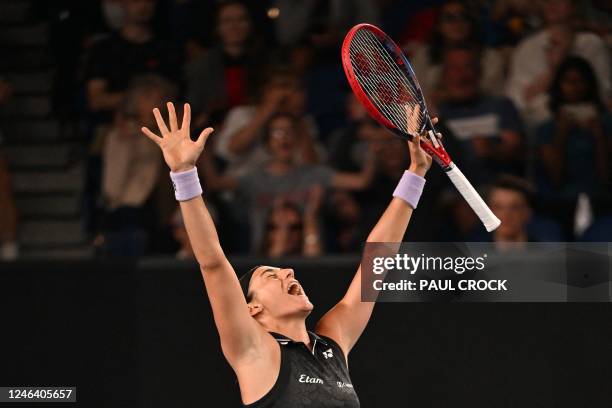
{"x":295,"y":165}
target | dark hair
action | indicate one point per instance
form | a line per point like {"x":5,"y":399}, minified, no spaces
{"x":244,"y":281}
{"x":437,"y":46}
{"x":588,"y":74}
{"x":516,"y":184}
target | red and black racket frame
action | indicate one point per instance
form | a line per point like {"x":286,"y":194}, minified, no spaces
{"x":438,"y":152}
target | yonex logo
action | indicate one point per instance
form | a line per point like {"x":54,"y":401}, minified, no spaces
{"x":328,"y":353}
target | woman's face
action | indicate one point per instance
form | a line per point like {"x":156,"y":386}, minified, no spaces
{"x":454,"y":25}
{"x":278,"y":293}
{"x":234,"y":25}
{"x":285,"y":223}
{"x":573,"y":86}
{"x":281,"y":139}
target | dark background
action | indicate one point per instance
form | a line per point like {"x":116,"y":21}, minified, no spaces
{"x":141,"y":334}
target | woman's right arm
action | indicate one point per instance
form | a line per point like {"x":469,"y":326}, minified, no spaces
{"x":240,"y":334}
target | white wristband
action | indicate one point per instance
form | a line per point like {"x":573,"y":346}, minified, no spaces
{"x":186,"y":184}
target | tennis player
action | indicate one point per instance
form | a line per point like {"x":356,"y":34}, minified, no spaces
{"x":261,"y":318}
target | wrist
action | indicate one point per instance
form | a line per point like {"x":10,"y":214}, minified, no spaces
{"x":418,"y":170}
{"x":186,"y":184}
{"x":410,"y":188}
{"x":180,"y":168}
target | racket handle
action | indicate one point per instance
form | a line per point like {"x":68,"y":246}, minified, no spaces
{"x":469,"y":193}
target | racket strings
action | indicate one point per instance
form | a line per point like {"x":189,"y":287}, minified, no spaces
{"x":384,"y":82}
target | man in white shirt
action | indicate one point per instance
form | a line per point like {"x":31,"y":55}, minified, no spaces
{"x":536,"y":59}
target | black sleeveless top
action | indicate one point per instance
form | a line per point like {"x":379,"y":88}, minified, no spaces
{"x":310,"y":379}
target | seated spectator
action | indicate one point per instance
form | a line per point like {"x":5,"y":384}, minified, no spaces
{"x":488,"y":128}
{"x":131,"y":166}
{"x":131,"y":51}
{"x":239,"y":140}
{"x":291,"y":232}
{"x":537,"y":58}
{"x":574,"y":147}
{"x":283,"y":175}
{"x":456,"y":25}
{"x":110,"y":66}
{"x":9,"y":249}
{"x":223,"y":77}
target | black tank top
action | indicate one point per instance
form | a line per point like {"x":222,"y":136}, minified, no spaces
{"x":310,"y":379}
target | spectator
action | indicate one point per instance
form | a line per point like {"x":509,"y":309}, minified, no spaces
{"x":291,"y":232}
{"x":132,"y":166}
{"x":283,"y":175}
{"x":537,"y":58}
{"x":488,"y":128}
{"x":223,"y":77}
{"x":456,"y":25}
{"x":574,"y":147}
{"x":131,"y":51}
{"x":113,"y":62}
{"x":239,"y":141}
{"x":510,"y":199}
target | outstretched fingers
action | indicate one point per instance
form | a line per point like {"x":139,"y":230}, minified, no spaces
{"x":151,"y":135}
{"x":203,"y":137}
{"x":186,"y":117}
{"x":160,"y":122}
{"x":172,"y":117}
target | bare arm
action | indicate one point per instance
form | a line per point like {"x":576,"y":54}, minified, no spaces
{"x":240,"y":334}
{"x":346,"y":321}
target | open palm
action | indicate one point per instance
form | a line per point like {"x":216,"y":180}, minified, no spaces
{"x":180,"y":152}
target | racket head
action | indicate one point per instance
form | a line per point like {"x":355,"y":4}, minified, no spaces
{"x":383,"y":80}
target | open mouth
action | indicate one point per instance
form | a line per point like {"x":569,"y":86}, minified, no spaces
{"x":294,"y":289}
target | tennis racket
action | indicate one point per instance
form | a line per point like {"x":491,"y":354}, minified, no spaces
{"x":384,"y":82}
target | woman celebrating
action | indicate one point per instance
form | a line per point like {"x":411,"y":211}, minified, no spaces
{"x":261,"y":318}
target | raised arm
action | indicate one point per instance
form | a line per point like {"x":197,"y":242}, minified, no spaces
{"x":238,"y":331}
{"x":346,"y":321}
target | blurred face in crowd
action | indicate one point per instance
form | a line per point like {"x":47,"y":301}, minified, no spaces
{"x":233,"y":24}
{"x":454,"y":25}
{"x":461,"y":74}
{"x":277,"y":294}
{"x":557,"y":11}
{"x":573,"y":86}
{"x":139,"y":11}
{"x":390,"y":152}
{"x":513,"y":210}
{"x":285,"y":222}
{"x":281,"y":138}
{"x":293,"y":96}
